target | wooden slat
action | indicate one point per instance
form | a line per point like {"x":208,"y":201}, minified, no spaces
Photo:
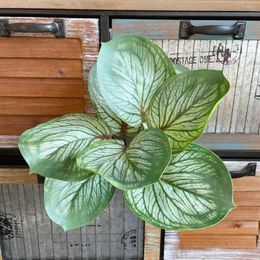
{"x":228,"y":228}
{"x":152,"y":242}
{"x":166,"y":5}
{"x":15,"y":125}
{"x":40,"y":68}
{"x":247,"y":198}
{"x":40,"y":238}
{"x":17,"y":176}
{"x":40,"y":106}
{"x":230,"y":141}
{"x":250,"y":183}
{"x":242,"y":213}
{"x":218,"y":241}
{"x":31,"y":47}
{"x":168,"y":29}
{"x":45,"y":87}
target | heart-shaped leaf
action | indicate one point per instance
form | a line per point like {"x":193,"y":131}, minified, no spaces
{"x":103,"y":110}
{"x":130,"y":69}
{"x":183,"y":107}
{"x":194,"y":192}
{"x":51,"y":148}
{"x":75,"y":204}
{"x":140,"y":164}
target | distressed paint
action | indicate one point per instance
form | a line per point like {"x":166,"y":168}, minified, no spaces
{"x":115,"y":234}
{"x":169,"y":29}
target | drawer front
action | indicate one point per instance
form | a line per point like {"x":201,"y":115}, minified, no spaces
{"x":42,"y":76}
{"x":239,"y":112}
{"x":235,"y":237}
{"x":28,"y":233}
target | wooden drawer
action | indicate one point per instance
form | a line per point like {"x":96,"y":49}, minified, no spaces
{"x":239,"y":113}
{"x":28,"y":233}
{"x":234,"y":238}
{"x":42,"y":76}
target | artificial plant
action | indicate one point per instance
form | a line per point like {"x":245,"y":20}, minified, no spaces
{"x":148,"y":113}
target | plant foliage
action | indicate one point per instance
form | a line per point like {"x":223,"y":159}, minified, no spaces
{"x":149,"y":113}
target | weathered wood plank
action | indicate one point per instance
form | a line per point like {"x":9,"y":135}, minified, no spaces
{"x":17,"y":175}
{"x":163,"y":5}
{"x":4,"y":208}
{"x":244,"y":213}
{"x":245,"y":86}
{"x":218,"y":241}
{"x":16,"y":125}
{"x":172,"y":251}
{"x":246,"y":184}
{"x":252,"y":120}
{"x":32,"y":47}
{"x":43,"y":239}
{"x":103,"y":235}
{"x":40,"y":106}
{"x":17,"y":241}
{"x":40,"y":68}
{"x":116,"y":225}
{"x":43,"y":224}
{"x":161,"y":29}
{"x":247,"y":198}
{"x":228,"y":228}
{"x":152,"y":242}
{"x":230,"y":142}
{"x":129,"y":238}
{"x":74,"y":244}
{"x":44,"y":87}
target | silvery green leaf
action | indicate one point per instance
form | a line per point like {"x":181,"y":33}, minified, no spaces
{"x":75,"y":204}
{"x":103,"y":110}
{"x":138,"y":165}
{"x":51,"y":148}
{"x":130,"y":70}
{"x":183,"y":107}
{"x":194,"y":192}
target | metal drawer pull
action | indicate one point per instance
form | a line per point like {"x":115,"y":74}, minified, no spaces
{"x":249,"y":170}
{"x":57,"y":28}
{"x":187,"y":29}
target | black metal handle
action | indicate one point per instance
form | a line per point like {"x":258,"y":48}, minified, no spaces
{"x":187,"y":29}
{"x":249,"y":170}
{"x":57,"y":28}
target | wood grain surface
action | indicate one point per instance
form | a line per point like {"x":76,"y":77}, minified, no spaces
{"x":28,"y":47}
{"x":152,"y":242}
{"x":17,"y":176}
{"x":166,"y":5}
{"x":228,"y":228}
{"x":42,"y":77}
{"x":116,"y":234}
{"x":218,"y":241}
{"x":247,"y":184}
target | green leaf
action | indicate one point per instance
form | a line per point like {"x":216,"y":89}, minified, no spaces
{"x":75,"y":204}
{"x":183,"y":107}
{"x":139,"y":165}
{"x":194,"y":192}
{"x":130,"y":69}
{"x":103,"y":110}
{"x":51,"y":148}
{"x":179,"y":69}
